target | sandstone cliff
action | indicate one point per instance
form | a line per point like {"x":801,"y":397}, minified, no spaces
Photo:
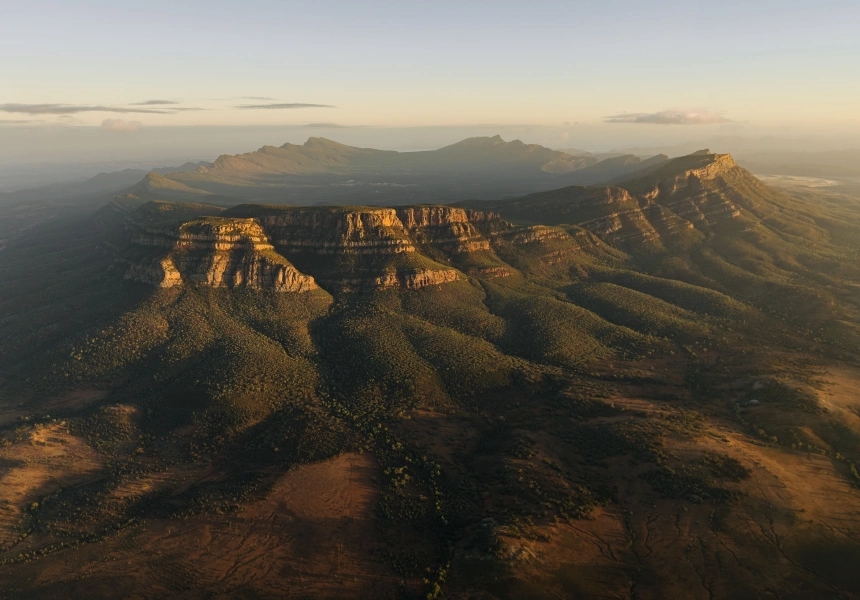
{"x":332,"y":230}
{"x":358,"y":248}
{"x":372,"y":248}
{"x":450,"y":229}
{"x":214,"y":251}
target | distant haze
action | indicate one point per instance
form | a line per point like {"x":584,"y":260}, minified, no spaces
{"x":33,"y":156}
{"x":97,"y":80}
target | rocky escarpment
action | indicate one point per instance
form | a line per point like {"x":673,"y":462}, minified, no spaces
{"x":213,"y":251}
{"x":292,"y":248}
{"x":331,"y":230}
{"x":452,"y":230}
{"x":672,"y":204}
{"x":694,"y":188}
{"x":372,"y":248}
{"x":682,"y":196}
{"x":613,"y":214}
{"x":458,"y":236}
{"x":551,"y":251}
{"x":368,"y":248}
{"x":349,"y":248}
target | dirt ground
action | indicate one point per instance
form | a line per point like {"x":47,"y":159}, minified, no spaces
{"x":311,"y":537}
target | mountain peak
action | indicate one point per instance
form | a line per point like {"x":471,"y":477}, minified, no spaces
{"x":321,"y":142}
{"x":479,"y":142}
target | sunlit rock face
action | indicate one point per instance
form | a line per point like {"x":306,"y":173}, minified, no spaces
{"x":213,"y":251}
{"x":366,"y":248}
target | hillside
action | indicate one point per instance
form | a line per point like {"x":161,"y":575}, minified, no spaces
{"x":645,"y":390}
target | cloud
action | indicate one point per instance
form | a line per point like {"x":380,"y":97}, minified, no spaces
{"x":71,"y":109}
{"x":670,"y":117}
{"x":282,"y":106}
{"x":121,"y":125}
{"x":327,"y":125}
{"x":258,"y":98}
{"x":153,"y":102}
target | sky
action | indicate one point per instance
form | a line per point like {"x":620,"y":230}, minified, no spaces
{"x":133,"y":80}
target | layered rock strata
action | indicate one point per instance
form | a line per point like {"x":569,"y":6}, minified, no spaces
{"x":334,"y":230}
{"x":697,"y":194}
{"x":452,"y":230}
{"x":354,"y":248}
{"x":295,"y":249}
{"x":214,"y":251}
{"x":673,"y":205}
{"x":545,"y":250}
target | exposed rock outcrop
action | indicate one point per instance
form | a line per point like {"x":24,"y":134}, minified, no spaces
{"x":335,"y":230}
{"x":160,"y":273}
{"x":491,"y":272}
{"x":214,"y":251}
{"x":691,"y":186}
{"x":452,"y":230}
{"x":407,"y":279}
{"x":356,"y":248}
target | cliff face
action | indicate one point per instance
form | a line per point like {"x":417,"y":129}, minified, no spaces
{"x":214,"y":251}
{"x":349,"y":248}
{"x":293,"y":249}
{"x":160,"y":273}
{"x":346,"y":249}
{"x":337,"y":231}
{"x":451,"y":230}
{"x":673,"y":205}
{"x":696,"y":193}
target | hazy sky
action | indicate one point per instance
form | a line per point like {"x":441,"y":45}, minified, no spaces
{"x":619,"y":66}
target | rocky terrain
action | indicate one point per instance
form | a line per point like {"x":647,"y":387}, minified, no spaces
{"x":216,"y":251}
{"x":347,"y":248}
{"x":673,"y":206}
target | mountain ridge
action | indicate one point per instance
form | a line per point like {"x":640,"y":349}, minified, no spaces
{"x":319,"y":166}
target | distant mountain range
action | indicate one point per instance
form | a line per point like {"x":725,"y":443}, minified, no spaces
{"x":324,"y":171}
{"x":102,"y":183}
